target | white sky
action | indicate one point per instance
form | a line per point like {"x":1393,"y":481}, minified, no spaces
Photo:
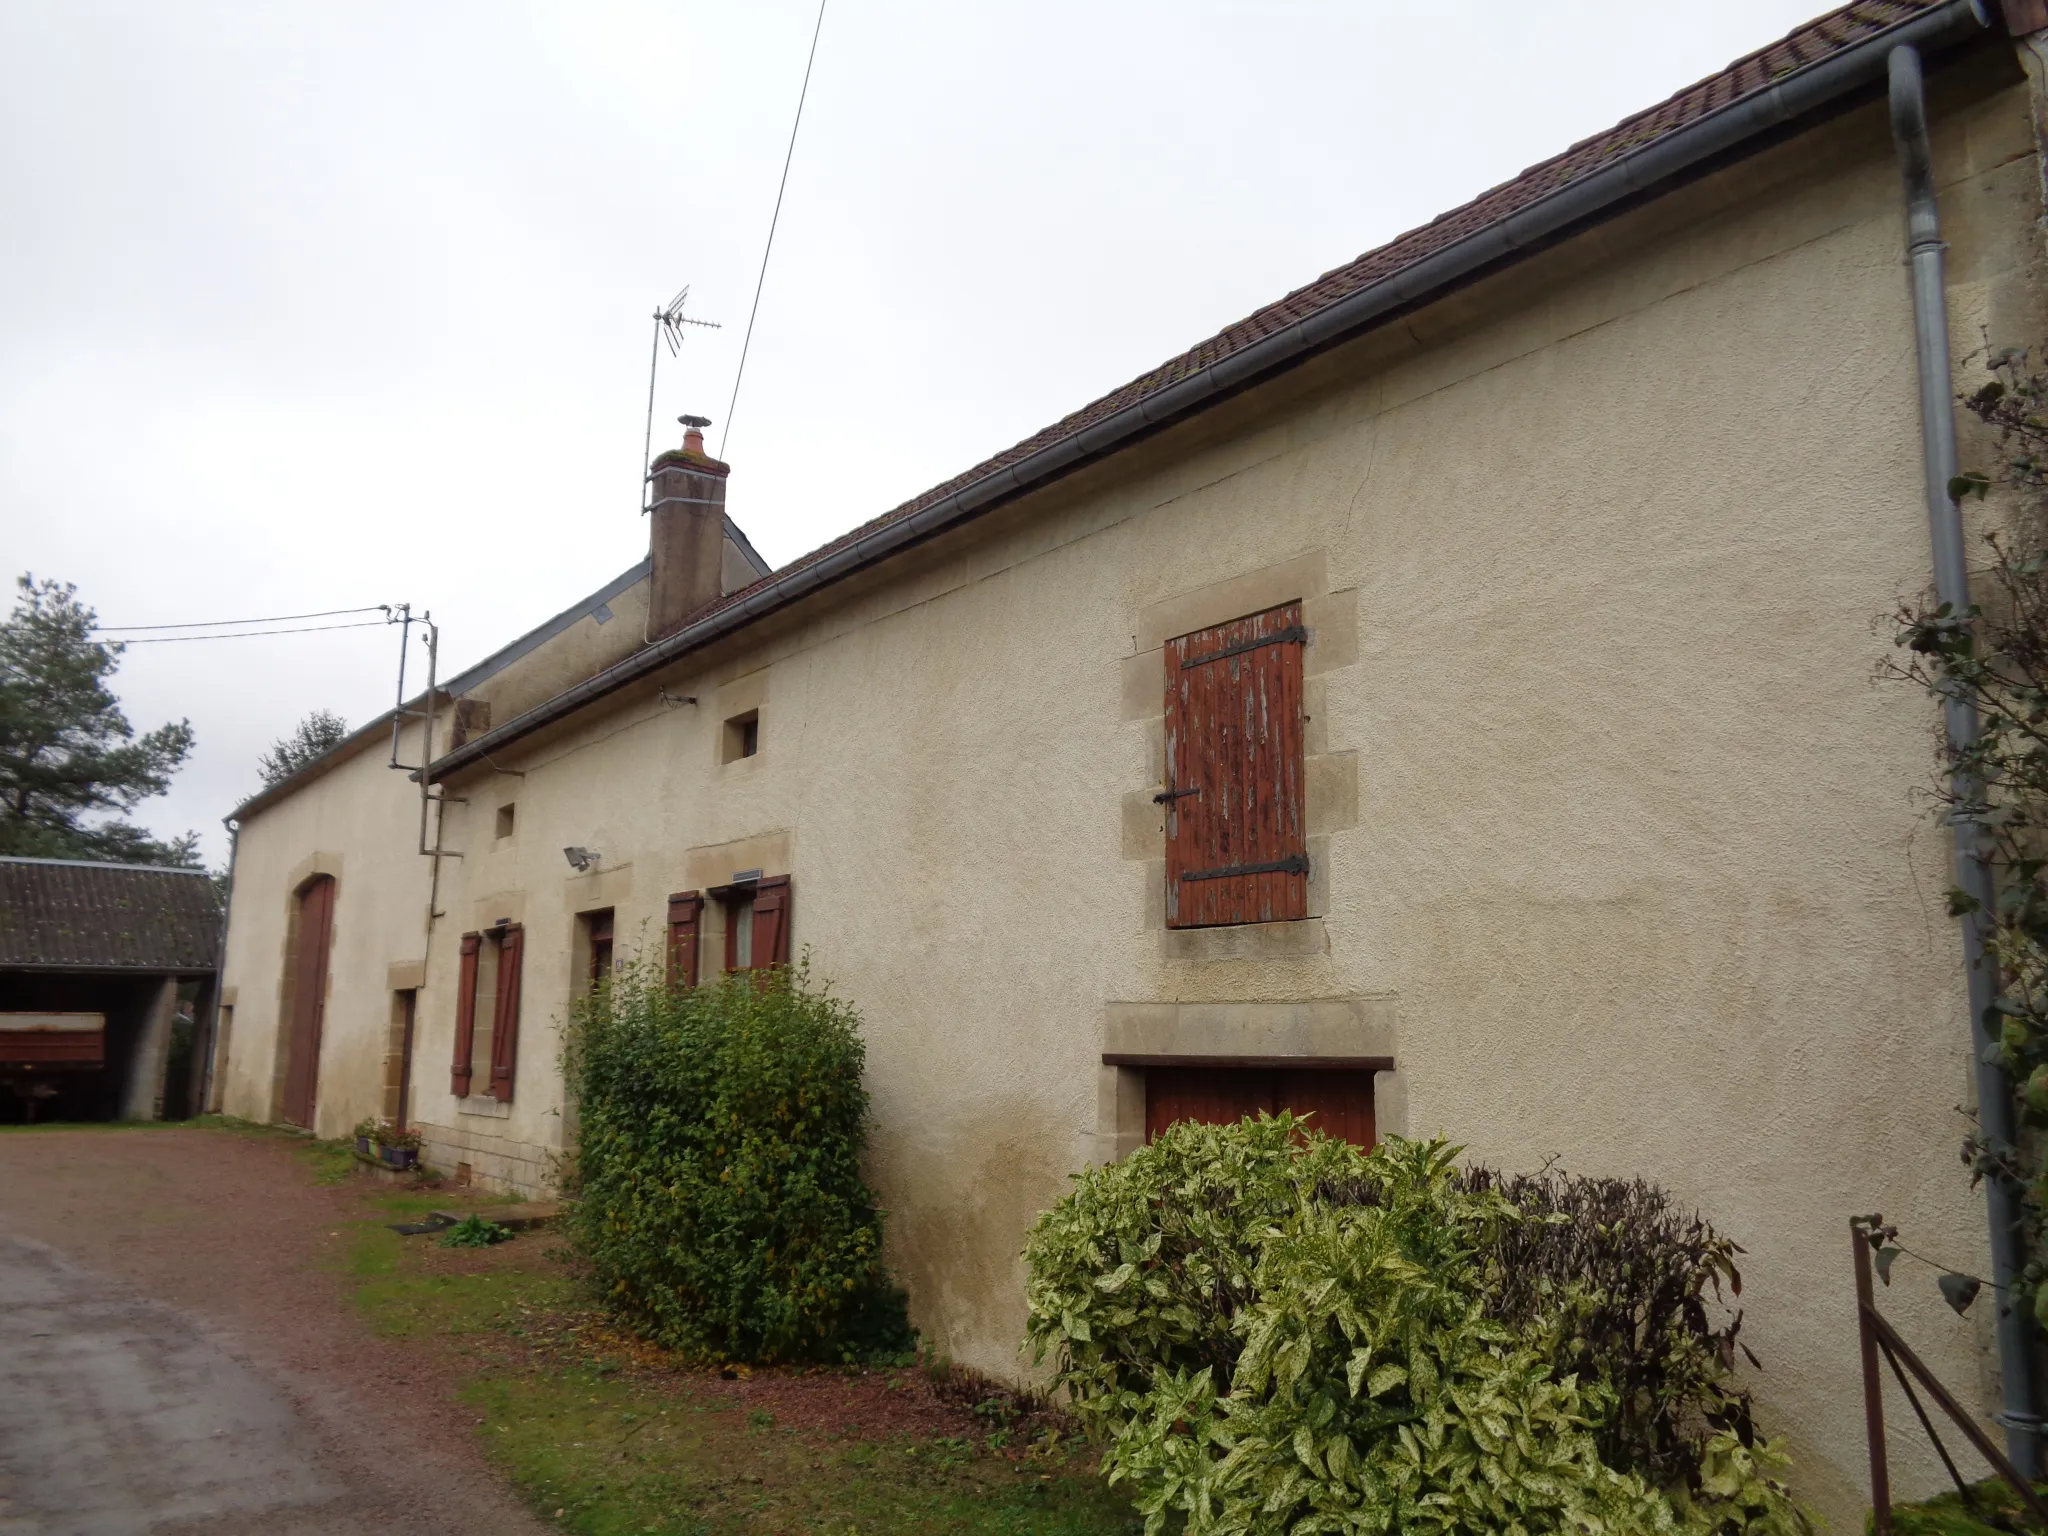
{"x":310,"y":306}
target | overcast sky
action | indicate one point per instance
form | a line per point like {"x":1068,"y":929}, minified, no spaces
{"x":311,"y":306}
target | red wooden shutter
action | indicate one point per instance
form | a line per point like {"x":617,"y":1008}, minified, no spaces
{"x":685,"y":920}
{"x":1236,"y":848}
{"x":771,"y":922}
{"x":505,"y":1026}
{"x":465,"y":1014}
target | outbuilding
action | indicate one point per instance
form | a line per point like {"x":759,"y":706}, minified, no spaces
{"x":93,"y":961}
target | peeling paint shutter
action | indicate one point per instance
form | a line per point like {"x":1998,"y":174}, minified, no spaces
{"x":1236,"y":844}
{"x":465,"y":1015}
{"x":685,"y":921}
{"x":771,"y":921}
{"x":505,"y":1024}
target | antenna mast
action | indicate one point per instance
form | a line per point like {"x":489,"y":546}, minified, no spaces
{"x":669,"y":321}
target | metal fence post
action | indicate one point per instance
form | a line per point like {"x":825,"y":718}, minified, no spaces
{"x":1873,"y":1391}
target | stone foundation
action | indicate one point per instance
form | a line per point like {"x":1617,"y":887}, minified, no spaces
{"x":495,"y":1162}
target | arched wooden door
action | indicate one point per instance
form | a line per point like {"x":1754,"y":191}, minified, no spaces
{"x":314,"y":928}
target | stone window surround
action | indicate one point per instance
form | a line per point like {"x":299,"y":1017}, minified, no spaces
{"x":1330,"y":778}
{"x":1353,"y":1032}
{"x":487,"y":914}
{"x":744,"y":695}
{"x":399,"y":976}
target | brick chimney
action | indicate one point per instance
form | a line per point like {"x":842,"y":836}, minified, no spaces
{"x":687,"y":540}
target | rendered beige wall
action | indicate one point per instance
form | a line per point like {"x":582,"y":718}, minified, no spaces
{"x":1616,"y":847}
{"x":585,"y":648}
{"x":358,"y":823}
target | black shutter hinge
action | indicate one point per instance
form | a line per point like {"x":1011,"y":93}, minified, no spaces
{"x":1294,"y":864}
{"x":1293,"y":634}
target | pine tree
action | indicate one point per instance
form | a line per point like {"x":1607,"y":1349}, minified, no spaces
{"x":313,"y":737}
{"x":66,"y":750}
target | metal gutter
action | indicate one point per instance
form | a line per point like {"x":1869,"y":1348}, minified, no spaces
{"x":1925,"y":257}
{"x":1628,"y":176}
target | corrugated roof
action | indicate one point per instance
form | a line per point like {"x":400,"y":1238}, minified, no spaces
{"x":62,"y":914}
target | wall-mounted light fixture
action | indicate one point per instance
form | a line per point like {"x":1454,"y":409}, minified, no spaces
{"x":580,"y":859}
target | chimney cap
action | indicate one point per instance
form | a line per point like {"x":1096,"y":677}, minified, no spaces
{"x":699,"y":423}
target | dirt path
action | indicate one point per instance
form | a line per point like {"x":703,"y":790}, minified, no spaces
{"x":181,"y":1354}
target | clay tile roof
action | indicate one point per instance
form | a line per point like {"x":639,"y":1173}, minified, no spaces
{"x":1804,"y":45}
{"x":1065,"y":442}
{"x":58,"y":914}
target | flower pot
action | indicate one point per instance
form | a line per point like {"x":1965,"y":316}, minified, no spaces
{"x":363,"y":1145}
{"x":397,"y":1157}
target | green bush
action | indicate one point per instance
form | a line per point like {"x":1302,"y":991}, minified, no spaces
{"x":1272,"y":1332}
{"x":1624,"y":1276}
{"x":1995,"y":1511}
{"x":720,"y":1202}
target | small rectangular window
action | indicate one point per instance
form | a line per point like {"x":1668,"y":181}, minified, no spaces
{"x":506,"y":813}
{"x":742,"y":736}
{"x":739,"y":930}
{"x":754,"y":910}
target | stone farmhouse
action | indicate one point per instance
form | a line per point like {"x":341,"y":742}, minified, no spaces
{"x":1443,"y":701}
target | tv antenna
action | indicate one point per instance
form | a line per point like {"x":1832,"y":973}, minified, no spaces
{"x":669,"y":321}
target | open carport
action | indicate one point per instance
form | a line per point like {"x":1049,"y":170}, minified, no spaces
{"x":93,"y":959}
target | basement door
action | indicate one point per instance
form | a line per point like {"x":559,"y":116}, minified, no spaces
{"x":1338,"y":1100}
{"x":309,"y":1000}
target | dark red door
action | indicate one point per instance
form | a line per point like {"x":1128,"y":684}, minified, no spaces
{"x":1338,"y":1100}
{"x":309,"y":1000}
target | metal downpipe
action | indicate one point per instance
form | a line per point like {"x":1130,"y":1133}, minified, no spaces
{"x":1926,"y":259}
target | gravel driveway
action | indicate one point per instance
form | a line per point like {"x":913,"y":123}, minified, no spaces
{"x":179,"y":1354}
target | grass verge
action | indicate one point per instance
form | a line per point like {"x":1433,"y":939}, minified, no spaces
{"x":607,"y":1436}
{"x":1996,"y":1512}
{"x":607,"y":1456}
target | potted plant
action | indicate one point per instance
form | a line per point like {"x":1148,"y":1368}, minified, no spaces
{"x":396,"y":1148}
{"x":365,"y":1134}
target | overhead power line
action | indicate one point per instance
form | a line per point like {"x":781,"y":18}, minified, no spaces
{"x":776,"y":218}
{"x":250,"y":634}
{"x":275,"y":618}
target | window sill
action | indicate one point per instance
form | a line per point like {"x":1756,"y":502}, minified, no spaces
{"x":1247,"y":941}
{"x":483,"y":1107}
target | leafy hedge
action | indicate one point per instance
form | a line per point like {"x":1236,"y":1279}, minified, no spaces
{"x":1993,"y":1510}
{"x":721,"y":1204}
{"x":1622,"y":1276}
{"x":1273,"y":1332}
